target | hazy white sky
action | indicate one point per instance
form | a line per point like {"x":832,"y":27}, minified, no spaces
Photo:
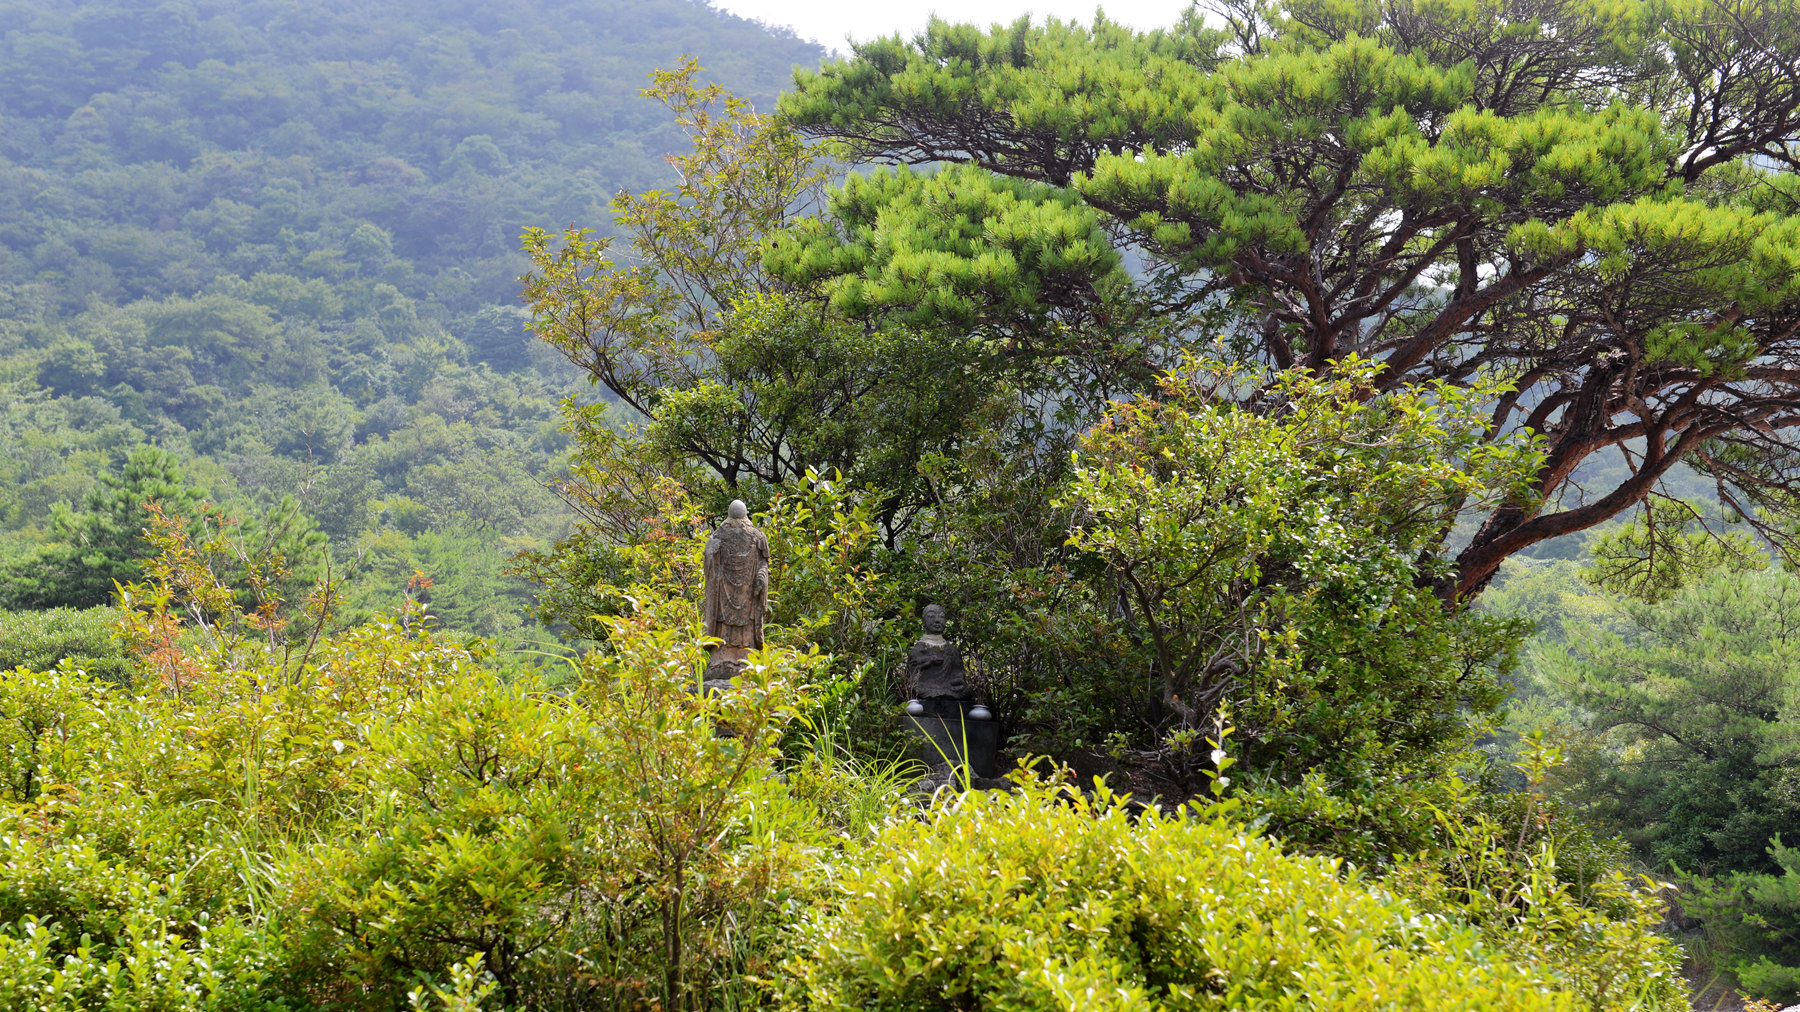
{"x":829,"y":21}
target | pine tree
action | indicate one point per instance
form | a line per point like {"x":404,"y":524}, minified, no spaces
{"x":101,"y":543}
{"x":1593,"y":201}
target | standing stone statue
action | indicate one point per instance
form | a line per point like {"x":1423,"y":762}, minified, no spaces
{"x":934,"y":665}
{"x":737,"y":591}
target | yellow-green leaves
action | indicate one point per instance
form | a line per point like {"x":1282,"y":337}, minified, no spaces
{"x":1510,"y":164}
{"x":1067,"y":86}
{"x":1404,"y":145}
{"x":1049,"y":900}
{"x":1684,"y":273}
{"x":942,"y":245}
{"x":397,"y":812}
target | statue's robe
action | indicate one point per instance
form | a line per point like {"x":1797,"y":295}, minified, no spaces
{"x":737,"y":584}
{"x":935,"y":671}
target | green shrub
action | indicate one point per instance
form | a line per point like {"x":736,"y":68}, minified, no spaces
{"x":1550,"y":898}
{"x":1046,"y":899}
{"x":399,"y":818}
{"x":1281,"y":563}
{"x":44,"y":733}
{"x":1536,"y":881}
{"x":596,"y":847}
{"x":40,"y":640}
{"x":83,"y":929}
{"x":155,"y":966}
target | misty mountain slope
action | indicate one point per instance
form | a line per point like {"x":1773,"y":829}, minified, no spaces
{"x":280,"y":240}
{"x":151,"y":147}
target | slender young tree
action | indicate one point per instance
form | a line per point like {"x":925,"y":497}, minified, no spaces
{"x":721,"y":364}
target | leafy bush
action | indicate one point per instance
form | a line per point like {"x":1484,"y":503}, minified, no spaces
{"x":42,"y":727}
{"x":1049,"y":899}
{"x":401,"y":816}
{"x":1280,"y":561}
{"x":40,"y":640}
{"x":83,"y":929}
{"x":1551,"y":897}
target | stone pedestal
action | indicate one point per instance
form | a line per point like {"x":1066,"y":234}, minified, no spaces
{"x":726,"y":662}
{"x":947,"y":733}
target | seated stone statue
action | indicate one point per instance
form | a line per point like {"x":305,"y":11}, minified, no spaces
{"x":934,"y":666}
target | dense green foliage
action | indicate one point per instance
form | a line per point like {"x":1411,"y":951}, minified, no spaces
{"x":1592,"y":201}
{"x":1047,"y":899}
{"x":1270,"y":560}
{"x":280,"y":242}
{"x":1077,"y":567}
{"x":41,"y":640}
{"x":1674,"y":710}
{"x":1752,"y":923}
{"x":101,"y":545}
{"x":338,"y":835}
{"x":402,"y":821}
{"x":1206,"y":378}
{"x":404,"y":825}
{"x":1698,"y":693}
{"x":180,"y":144}
{"x":1265,"y":541}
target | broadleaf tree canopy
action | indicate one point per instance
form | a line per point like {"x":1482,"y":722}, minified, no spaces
{"x":1593,"y":200}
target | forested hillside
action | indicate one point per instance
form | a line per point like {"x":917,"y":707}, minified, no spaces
{"x":279,"y":241}
{"x":1293,"y":430}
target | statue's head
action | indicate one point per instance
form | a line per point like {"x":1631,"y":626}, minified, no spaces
{"x":934,"y":619}
{"x":738,"y":510}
